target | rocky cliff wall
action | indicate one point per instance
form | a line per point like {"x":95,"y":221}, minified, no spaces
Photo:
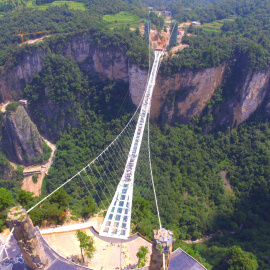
{"x":251,"y":92}
{"x":100,"y":63}
{"x":22,"y":142}
{"x":13,"y":81}
{"x":176,"y":99}
{"x":184,"y":96}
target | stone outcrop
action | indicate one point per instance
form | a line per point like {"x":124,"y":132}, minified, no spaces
{"x":22,"y":142}
{"x":162,"y":244}
{"x":28,"y":242}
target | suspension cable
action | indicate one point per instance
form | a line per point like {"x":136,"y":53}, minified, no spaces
{"x":89,"y":191}
{"x":151,"y":172}
{"x":85,"y":171}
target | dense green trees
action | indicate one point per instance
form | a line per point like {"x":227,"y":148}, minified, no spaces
{"x":158,"y":21}
{"x":6,"y":200}
{"x":245,"y":39}
{"x":237,"y":259}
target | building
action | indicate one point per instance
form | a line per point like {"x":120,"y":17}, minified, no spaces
{"x":195,"y":23}
{"x":167,"y":13}
{"x":23,"y":102}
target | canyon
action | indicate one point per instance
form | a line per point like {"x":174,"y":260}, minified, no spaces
{"x":177,"y":98}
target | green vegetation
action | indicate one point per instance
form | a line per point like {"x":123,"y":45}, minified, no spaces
{"x":68,"y":4}
{"x":46,"y":152}
{"x":35,"y":178}
{"x":52,"y":211}
{"x":94,"y":6}
{"x":122,"y":18}
{"x":187,"y":163}
{"x":243,"y":40}
{"x":215,"y":25}
{"x":6,"y":200}
{"x":86,"y":245}
{"x":12,"y":107}
{"x":141,"y":255}
{"x":59,"y":19}
{"x":238,"y":259}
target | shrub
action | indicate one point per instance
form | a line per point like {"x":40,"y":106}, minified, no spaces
{"x":12,"y":107}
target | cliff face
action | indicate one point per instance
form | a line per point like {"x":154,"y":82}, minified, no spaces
{"x":22,"y":141}
{"x":183,"y":97}
{"x":106,"y":63}
{"x":176,"y":99}
{"x":13,"y":81}
{"x":250,"y":93}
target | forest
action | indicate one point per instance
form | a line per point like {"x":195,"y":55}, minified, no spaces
{"x":246,"y":39}
{"x":213,"y":183}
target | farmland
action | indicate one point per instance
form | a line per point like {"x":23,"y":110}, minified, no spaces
{"x":122,"y":18}
{"x":216,"y":25}
{"x":69,"y":4}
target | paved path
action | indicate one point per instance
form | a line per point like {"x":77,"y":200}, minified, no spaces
{"x":73,"y":227}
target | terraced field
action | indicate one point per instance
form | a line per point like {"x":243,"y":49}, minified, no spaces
{"x":122,"y":18}
{"x":216,"y":25}
{"x":70,"y":4}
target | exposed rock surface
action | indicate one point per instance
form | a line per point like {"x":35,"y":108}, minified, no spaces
{"x":22,"y":141}
{"x":184,"y":96}
{"x":251,"y":91}
{"x":176,"y":99}
{"x":28,"y":242}
{"x":13,"y":81}
{"x":137,"y":83}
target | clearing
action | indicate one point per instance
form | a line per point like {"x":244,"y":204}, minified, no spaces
{"x":31,"y":41}
{"x":122,"y":18}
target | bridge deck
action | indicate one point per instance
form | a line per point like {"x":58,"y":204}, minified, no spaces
{"x":117,"y":221}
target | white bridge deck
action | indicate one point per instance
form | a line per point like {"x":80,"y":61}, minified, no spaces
{"x":117,"y":221}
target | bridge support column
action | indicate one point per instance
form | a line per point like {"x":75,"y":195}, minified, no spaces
{"x":162,"y":244}
{"x":28,"y":242}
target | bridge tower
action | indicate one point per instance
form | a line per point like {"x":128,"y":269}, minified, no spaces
{"x":174,"y":32}
{"x":162,"y":246}
{"x":147,"y":27}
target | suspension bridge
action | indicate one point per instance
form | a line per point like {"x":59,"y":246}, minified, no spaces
{"x":127,"y":158}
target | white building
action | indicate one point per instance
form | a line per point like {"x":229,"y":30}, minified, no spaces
{"x":196,"y":23}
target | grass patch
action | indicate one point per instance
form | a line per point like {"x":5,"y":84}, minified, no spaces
{"x":216,"y":25}
{"x":32,"y":4}
{"x":122,"y":18}
{"x":70,"y":4}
